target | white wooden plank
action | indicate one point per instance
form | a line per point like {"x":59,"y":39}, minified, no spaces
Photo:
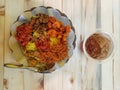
{"x":67,"y":8}
{"x":90,"y":25}
{"x":107,"y":67}
{"x":10,"y":17}
{"x":77,"y":57}
{"x":2,"y":2}
{"x":1,"y":48}
{"x":57,"y":4}
{"x":32,"y":80}
{"x":14,"y":77}
{"x":53,"y":81}
{"x":72,"y":70}
{"x":116,"y":27}
{"x":2,"y":22}
{"x":90,"y":69}
{"x":33,"y":3}
{"x":83,"y":66}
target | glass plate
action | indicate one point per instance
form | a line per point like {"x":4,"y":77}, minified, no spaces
{"x":25,"y":17}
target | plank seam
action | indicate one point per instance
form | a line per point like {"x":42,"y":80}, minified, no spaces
{"x":3,"y":43}
{"x":113,"y":32}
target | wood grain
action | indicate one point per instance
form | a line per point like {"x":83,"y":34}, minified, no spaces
{"x":72,"y":71}
{"x":14,"y":77}
{"x":2,"y":2}
{"x":2,"y":21}
{"x":116,"y":30}
{"x":28,"y":4}
{"x":79,"y":73}
{"x":33,"y":81}
{"x":107,"y":21}
{"x":1,"y":50}
{"x":53,"y":3}
{"x":90,"y":69}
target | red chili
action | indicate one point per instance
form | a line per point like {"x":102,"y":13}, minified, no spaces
{"x":23,"y":34}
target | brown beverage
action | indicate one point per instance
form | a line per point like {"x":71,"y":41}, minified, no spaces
{"x":99,"y":46}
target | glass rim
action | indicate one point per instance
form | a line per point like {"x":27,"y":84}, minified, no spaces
{"x":111,"y":37}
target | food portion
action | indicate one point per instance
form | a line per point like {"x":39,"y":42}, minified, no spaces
{"x":98,"y":46}
{"x":43,"y":40}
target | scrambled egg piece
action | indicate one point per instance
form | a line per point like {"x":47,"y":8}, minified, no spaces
{"x":35,"y":16}
{"x":35,"y":34}
{"x":53,"y":41}
{"x":31,"y":46}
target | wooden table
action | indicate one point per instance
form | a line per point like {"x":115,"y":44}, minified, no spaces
{"x":79,"y":73}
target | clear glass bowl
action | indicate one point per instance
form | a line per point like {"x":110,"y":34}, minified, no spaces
{"x":109,"y":55}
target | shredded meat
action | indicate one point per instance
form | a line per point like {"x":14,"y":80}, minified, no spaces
{"x":45,"y":39}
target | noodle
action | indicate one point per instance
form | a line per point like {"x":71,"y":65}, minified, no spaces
{"x":44,"y":40}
